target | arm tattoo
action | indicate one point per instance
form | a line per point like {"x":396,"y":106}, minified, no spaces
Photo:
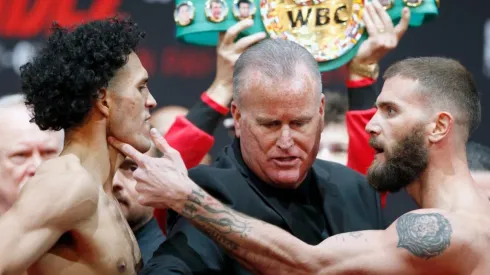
{"x":215,"y":218}
{"x":424,"y":235}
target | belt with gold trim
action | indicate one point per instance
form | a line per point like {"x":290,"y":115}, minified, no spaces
{"x":332,"y":30}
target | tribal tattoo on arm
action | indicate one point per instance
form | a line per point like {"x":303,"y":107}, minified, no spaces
{"x":215,"y":219}
{"x":424,"y":235}
{"x":259,"y":246}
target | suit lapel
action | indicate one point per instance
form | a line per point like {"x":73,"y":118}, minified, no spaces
{"x":332,"y":201}
{"x":233,"y":153}
{"x":273,"y":202}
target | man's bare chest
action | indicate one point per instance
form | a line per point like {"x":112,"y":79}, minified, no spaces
{"x":102,"y":244}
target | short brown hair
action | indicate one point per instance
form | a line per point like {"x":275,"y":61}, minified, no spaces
{"x":445,"y":81}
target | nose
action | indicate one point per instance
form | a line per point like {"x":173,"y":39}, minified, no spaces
{"x":285,"y":141}
{"x":34,"y":161}
{"x":116,"y":183}
{"x":151,"y":102}
{"x":372,"y":127}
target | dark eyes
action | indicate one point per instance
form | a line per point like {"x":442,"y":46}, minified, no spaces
{"x":390,"y":111}
{"x":278,"y":123}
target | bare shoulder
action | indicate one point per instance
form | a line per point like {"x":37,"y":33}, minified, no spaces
{"x":62,"y":190}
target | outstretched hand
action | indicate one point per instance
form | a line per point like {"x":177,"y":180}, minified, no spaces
{"x":161,"y":182}
{"x":383,"y":35}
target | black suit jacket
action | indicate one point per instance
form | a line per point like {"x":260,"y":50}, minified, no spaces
{"x":349,"y":204}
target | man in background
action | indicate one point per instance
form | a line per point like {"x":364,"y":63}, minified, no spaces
{"x":334,"y":138}
{"x":216,"y":10}
{"x":23,"y":146}
{"x":184,"y":14}
{"x":244,"y":8}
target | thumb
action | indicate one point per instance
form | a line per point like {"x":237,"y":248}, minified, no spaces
{"x":402,"y":26}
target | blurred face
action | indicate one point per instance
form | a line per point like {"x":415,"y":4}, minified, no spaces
{"x":130,"y":102}
{"x":398,"y":136}
{"x":216,"y":10}
{"x":279,"y":125}
{"x":124,"y":191}
{"x":334,"y":143}
{"x":184,"y":14}
{"x":23,"y":147}
{"x":244,"y":10}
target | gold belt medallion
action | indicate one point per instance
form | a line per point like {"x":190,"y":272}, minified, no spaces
{"x":327,"y":28}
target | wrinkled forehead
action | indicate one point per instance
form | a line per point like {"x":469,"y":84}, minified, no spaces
{"x":403,"y":92}
{"x":261,"y":90}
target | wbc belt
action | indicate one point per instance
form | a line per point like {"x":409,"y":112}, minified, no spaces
{"x":332,"y":30}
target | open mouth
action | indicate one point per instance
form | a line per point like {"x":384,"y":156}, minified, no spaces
{"x":122,"y":201}
{"x":286,"y":161}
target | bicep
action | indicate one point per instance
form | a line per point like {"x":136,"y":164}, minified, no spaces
{"x":186,"y":251}
{"x":363,"y":252}
{"x":417,"y":240}
{"x":42,"y":213}
{"x":23,"y":242}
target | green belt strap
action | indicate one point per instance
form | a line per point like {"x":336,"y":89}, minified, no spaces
{"x":204,"y":32}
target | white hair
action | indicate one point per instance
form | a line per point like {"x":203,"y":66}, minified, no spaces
{"x":276,"y":59}
{"x":12,"y":100}
{"x":19,"y":100}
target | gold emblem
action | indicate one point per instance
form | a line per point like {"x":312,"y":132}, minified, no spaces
{"x":244,"y":9}
{"x":328,"y":29}
{"x":184,"y":13}
{"x":387,"y":4}
{"x":413,"y":3}
{"x":438,"y":3}
{"x":216,"y":10}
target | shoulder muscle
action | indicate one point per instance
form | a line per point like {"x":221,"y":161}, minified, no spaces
{"x":61,"y":199}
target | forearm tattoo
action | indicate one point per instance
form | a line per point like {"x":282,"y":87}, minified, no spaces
{"x":215,"y":219}
{"x":424,"y":235}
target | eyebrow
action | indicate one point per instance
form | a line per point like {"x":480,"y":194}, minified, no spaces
{"x":300,"y":118}
{"x":144,"y":80}
{"x":128,"y":162}
{"x":385,"y":103}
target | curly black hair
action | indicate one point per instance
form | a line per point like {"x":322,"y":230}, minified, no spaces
{"x":61,"y":83}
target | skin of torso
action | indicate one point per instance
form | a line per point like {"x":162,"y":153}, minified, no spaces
{"x":100,"y":244}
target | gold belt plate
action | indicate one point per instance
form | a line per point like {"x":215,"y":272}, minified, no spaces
{"x":326,"y":28}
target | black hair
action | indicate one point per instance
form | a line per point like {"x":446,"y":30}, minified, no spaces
{"x":61,"y":83}
{"x":243,"y":2}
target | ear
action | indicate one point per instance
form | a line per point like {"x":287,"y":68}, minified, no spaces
{"x":103,"y":102}
{"x":235,"y":112}
{"x":441,"y":127}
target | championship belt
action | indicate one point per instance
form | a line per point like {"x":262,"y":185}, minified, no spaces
{"x":331,"y":30}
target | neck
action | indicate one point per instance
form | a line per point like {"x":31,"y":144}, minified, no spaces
{"x":89,"y":143}
{"x":137,"y":226}
{"x":444,"y":178}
